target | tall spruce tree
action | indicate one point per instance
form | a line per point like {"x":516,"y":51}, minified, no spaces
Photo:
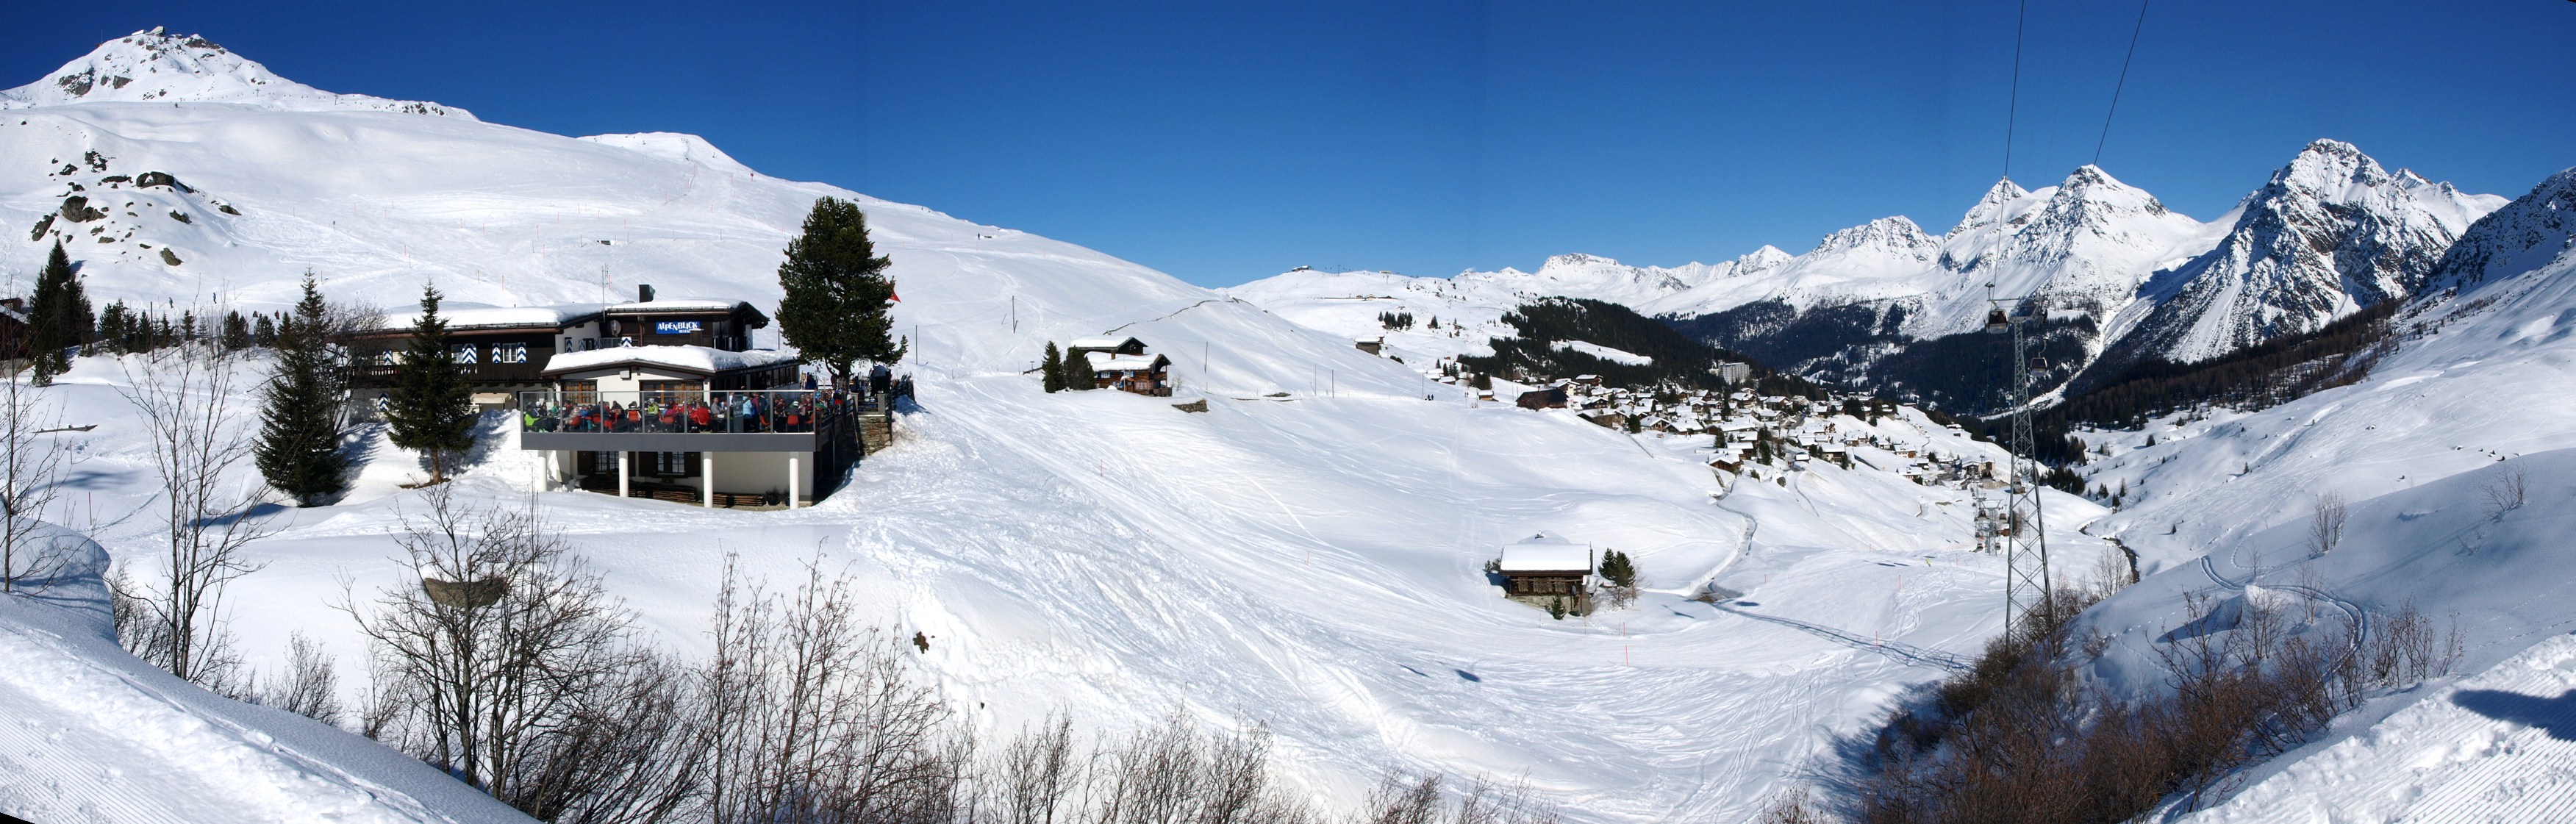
{"x":299,"y":439}
{"x":1077,"y":371}
{"x":1052,"y":368}
{"x":236,"y":331}
{"x":837,"y":291}
{"x":430,"y":408}
{"x":58,"y":317}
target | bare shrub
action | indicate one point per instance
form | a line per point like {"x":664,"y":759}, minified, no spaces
{"x":184,"y":396}
{"x":2015,"y":739}
{"x":30,"y":459}
{"x":522,"y":680}
{"x":1793,"y":807}
{"x":309,"y":687}
{"x":813,"y":716}
{"x":2325,"y":524}
{"x":2507,"y":492}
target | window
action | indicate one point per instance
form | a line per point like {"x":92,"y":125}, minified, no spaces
{"x":464,"y":353}
{"x":509,"y":353}
{"x":676,"y":464}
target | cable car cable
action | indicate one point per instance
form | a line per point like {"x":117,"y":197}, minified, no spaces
{"x":2124,"y":83}
{"x":2012,"y":106}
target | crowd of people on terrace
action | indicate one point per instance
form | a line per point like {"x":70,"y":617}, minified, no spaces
{"x":741,"y":411}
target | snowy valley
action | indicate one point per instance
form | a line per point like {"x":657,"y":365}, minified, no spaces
{"x":1308,"y":554}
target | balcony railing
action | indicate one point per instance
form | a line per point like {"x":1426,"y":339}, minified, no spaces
{"x":782,"y":411}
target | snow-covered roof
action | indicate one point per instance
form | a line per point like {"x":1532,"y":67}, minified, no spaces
{"x":677,"y":305}
{"x":486,"y":316}
{"x":1547,"y":553}
{"x":700,"y":359}
{"x":1106,"y":362}
{"x":1101,"y":342}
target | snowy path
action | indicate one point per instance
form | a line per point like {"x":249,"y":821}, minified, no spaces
{"x":2499,"y":746}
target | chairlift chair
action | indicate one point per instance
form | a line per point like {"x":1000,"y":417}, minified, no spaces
{"x":1996,"y":323}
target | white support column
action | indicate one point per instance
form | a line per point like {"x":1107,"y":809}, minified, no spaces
{"x":791,"y":480}
{"x":622,"y":471}
{"x":707,"y":479}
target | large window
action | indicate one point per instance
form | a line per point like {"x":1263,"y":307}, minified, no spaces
{"x":464,"y":353}
{"x":509,"y":353}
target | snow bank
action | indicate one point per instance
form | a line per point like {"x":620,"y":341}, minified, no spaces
{"x":95,"y":735}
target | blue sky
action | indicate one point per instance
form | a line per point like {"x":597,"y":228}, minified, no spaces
{"x":1223,"y":142}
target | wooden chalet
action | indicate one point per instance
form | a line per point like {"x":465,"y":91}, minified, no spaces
{"x":1121,"y":363}
{"x":1550,"y":398}
{"x":1141,"y":374}
{"x":13,"y":334}
{"x":1547,"y":567}
{"x":504,"y":349}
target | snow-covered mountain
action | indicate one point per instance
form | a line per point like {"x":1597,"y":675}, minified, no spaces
{"x":1307,"y":553}
{"x":155,"y":66}
{"x":2330,"y":233}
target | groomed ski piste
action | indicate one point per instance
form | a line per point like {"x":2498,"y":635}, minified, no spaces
{"x":1307,"y":554}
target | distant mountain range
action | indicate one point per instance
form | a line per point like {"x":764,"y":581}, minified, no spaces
{"x":2123,"y":278}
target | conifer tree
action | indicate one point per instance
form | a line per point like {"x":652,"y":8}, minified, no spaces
{"x":263,"y":331}
{"x":236,"y":331}
{"x":834,"y":310}
{"x":299,"y":440}
{"x":1077,"y":371}
{"x":430,"y":407}
{"x":58,"y":318}
{"x":1052,"y":367}
{"x":1618,"y":569}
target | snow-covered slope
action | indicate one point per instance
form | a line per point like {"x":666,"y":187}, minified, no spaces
{"x":154,"y":66}
{"x":2330,"y":233}
{"x":1307,"y":553}
{"x":92,"y":734}
{"x":2427,"y":450}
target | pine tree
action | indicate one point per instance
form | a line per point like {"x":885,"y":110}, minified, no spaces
{"x":114,"y":326}
{"x":1618,"y":569}
{"x":1053,"y":368}
{"x":236,"y":332}
{"x":430,"y":407}
{"x":263,"y":330}
{"x":299,"y":440}
{"x":1077,"y":372}
{"x":58,"y":318}
{"x":837,"y":291}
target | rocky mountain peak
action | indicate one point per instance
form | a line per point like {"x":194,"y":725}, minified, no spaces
{"x":1991,"y":207}
{"x":1894,"y":235}
{"x":2524,"y":235}
{"x":155,"y":66}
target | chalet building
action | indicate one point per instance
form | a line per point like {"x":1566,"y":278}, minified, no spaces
{"x":1121,"y":363}
{"x":1112,"y":345}
{"x":693,"y":424}
{"x":504,"y":349}
{"x":1372,"y":346}
{"x":13,"y":334}
{"x":1550,"y":398}
{"x":1546,"y":567}
{"x":715,"y":324}
{"x":1732,"y":372}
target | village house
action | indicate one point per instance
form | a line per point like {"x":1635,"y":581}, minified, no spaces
{"x":1544,"y":568}
{"x":1550,"y":398}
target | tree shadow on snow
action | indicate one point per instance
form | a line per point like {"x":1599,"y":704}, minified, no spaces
{"x":2556,"y":716}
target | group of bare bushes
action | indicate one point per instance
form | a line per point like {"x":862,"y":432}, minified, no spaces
{"x":511,"y":668}
{"x":2022,"y":737}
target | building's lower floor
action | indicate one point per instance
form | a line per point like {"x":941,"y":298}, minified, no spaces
{"x":725,"y":479}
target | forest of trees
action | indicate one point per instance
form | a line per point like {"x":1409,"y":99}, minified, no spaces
{"x":1677,"y":359}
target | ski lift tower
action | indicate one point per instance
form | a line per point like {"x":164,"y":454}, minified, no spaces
{"x":2020,"y":533}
